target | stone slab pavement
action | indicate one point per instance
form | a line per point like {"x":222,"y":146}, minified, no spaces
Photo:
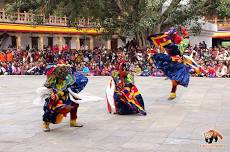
{"x":170,"y":126}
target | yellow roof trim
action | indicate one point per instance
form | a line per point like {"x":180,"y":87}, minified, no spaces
{"x":221,"y":35}
{"x":47,"y":29}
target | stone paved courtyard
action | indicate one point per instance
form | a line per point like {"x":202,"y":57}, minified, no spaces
{"x":170,"y":126}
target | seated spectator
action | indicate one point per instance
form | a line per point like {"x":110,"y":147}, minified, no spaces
{"x":146,"y":71}
{"x":222,"y":70}
{"x":85,"y":70}
{"x":105,"y":71}
{"x":101,"y":61}
{"x":211,"y":72}
{"x":228,"y":74}
{"x":1,"y":69}
{"x":137,"y":70}
{"x":159,"y":73}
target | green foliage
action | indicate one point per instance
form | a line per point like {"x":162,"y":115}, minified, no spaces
{"x":223,"y":8}
{"x":129,"y":17}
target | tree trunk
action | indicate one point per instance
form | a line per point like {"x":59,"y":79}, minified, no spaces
{"x":138,"y":39}
{"x":157,"y":29}
{"x":143,"y":38}
{"x":148,"y":32}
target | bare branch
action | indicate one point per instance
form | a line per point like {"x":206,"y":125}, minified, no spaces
{"x":173,"y":5}
{"x":119,"y":4}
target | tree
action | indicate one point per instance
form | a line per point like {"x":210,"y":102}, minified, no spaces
{"x":129,"y":17}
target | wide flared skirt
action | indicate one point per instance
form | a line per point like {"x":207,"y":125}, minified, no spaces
{"x":173,"y":70}
{"x":130,"y":102}
{"x":55,"y":114}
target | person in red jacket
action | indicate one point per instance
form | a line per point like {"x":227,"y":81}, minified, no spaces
{"x":9,"y":56}
{"x":2,"y":57}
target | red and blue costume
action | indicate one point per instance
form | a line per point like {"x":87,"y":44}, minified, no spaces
{"x":171,"y":63}
{"x":63,"y":85}
{"x":126,"y":99}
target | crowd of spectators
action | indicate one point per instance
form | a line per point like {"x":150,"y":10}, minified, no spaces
{"x":215,"y":61}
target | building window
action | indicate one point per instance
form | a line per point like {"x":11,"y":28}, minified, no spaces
{"x":84,"y":41}
{"x":34,"y":42}
{"x":13,"y":41}
{"x":68,"y":41}
{"x":50,"y":41}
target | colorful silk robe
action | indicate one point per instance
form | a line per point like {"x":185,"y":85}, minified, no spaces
{"x":127,"y":98}
{"x":59,"y":104}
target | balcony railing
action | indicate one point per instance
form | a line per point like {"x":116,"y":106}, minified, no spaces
{"x":29,"y":18}
{"x":217,"y":21}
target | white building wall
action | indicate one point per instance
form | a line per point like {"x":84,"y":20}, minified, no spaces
{"x":120,"y":43}
{"x":207,"y":30}
{"x":25,"y":41}
{"x":197,"y":39}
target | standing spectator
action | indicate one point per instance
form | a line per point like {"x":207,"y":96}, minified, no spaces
{"x":215,"y":53}
{"x":9,"y":56}
{"x":204,"y":45}
{"x":2,"y":57}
